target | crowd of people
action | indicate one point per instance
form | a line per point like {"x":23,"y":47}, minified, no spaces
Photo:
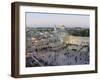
{"x":64,"y":55}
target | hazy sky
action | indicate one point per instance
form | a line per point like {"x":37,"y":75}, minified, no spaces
{"x":49,"y":20}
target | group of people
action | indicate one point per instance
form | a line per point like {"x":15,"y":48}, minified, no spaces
{"x":62,"y":56}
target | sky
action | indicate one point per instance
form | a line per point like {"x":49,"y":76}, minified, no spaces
{"x":52,"y":19}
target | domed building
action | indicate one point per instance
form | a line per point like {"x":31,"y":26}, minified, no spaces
{"x":62,"y":34}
